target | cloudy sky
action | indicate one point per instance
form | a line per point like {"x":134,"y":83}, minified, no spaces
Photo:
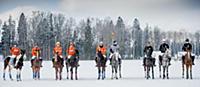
{"x":166,"y":14}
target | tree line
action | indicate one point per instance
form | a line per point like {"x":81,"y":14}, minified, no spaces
{"x":46,"y":29}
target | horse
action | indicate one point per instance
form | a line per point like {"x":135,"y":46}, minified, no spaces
{"x":188,"y":63}
{"x":115,"y":64}
{"x":72,"y":62}
{"x":101,"y":65}
{"x":36,"y":67}
{"x":18,"y":66}
{"x":57,"y":63}
{"x":149,"y":64}
{"x":165,"y":64}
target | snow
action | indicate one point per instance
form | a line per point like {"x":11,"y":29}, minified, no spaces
{"x":132,"y":73}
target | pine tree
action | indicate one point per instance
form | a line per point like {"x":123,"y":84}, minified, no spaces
{"x":88,"y":44}
{"x":137,"y":39}
{"x":22,"y":32}
{"x":6,"y":39}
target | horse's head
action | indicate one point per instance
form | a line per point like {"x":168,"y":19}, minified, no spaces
{"x":23,"y":52}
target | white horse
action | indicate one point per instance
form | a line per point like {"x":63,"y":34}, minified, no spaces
{"x":115,"y":64}
{"x":165,"y":63}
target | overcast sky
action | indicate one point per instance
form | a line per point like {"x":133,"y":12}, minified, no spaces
{"x":166,"y":14}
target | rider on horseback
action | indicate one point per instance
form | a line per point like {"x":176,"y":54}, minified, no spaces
{"x":100,"y":51}
{"x":114,"y":48}
{"x":57,"y":51}
{"x":148,"y":50}
{"x":15,"y":53}
{"x":163,"y":48}
{"x":188,"y":46}
{"x":35,"y":53}
{"x":72,"y":52}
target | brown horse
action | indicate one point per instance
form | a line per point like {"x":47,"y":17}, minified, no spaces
{"x":36,"y":67}
{"x":101,"y":65}
{"x":72,"y":63}
{"x":188,"y":63}
{"x":57,"y":63}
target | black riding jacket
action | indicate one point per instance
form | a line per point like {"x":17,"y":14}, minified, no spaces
{"x":187,"y":46}
{"x":163,"y":47}
{"x":148,"y":50}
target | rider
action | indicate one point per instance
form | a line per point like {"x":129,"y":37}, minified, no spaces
{"x":57,"y":51}
{"x":72,"y":52}
{"x":35,"y":53}
{"x":163,"y":48}
{"x":100,"y":51}
{"x":114,"y":48}
{"x":15,"y":53}
{"x":188,"y":46}
{"x":148,"y":50}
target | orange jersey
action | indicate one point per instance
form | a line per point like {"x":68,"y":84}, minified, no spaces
{"x":34,"y":51}
{"x":15,"y":51}
{"x":102,"y":50}
{"x":71,"y":50}
{"x":57,"y":49}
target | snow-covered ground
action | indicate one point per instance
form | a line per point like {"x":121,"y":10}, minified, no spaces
{"x":132,"y":72}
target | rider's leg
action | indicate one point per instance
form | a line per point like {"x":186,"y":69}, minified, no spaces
{"x":193,"y":57}
{"x":169,"y":60}
{"x":33,"y":57}
{"x":110,"y":57}
{"x":11,"y":62}
{"x":160,"y":59}
{"x":154,"y":60}
{"x":183,"y":59}
{"x":144,"y":60}
{"x":120,"y":59}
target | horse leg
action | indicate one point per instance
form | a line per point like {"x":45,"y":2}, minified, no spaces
{"x":116,"y":72}
{"x":20,"y":75}
{"x":99,"y":73}
{"x":187,"y":75}
{"x":76,"y":76}
{"x":160,"y":70}
{"x":60,"y":74}
{"x":56,"y":73}
{"x":103,"y":73}
{"x":10,"y":74}
{"x":167,"y":72}
{"x":67,"y":68}
{"x":190,"y":71}
{"x":71,"y":70}
{"x":164,"y":68}
{"x":112,"y":72}
{"x":152,"y":73}
{"x":120,"y":75}
{"x":39,"y":74}
{"x":183,"y":70}
{"x":147,"y":70}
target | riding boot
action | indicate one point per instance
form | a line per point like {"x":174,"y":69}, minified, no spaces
{"x":31,"y":62}
{"x":62,"y":62}
{"x":154,"y":60}
{"x":169,"y":60}
{"x":53,"y":62}
{"x":144,"y":60}
{"x":110,"y":61}
{"x":120,"y":61}
{"x":183,"y":59}
{"x":40,"y":62}
{"x":193,"y":60}
{"x":160,"y":59}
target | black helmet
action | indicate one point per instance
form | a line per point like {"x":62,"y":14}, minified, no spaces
{"x":187,"y":40}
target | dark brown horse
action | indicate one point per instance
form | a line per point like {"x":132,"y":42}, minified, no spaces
{"x":188,"y":63}
{"x":36,"y":67}
{"x":101,"y":65}
{"x":57,"y":63}
{"x":18,"y":66}
{"x":72,"y":62}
